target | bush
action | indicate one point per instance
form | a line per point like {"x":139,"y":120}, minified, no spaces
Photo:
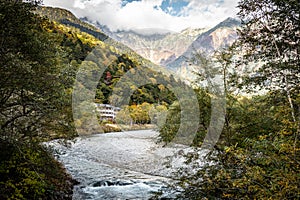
{"x":28,"y":171}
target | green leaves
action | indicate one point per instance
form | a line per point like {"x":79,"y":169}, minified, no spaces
{"x":173,"y":120}
{"x":29,"y":172}
{"x":34,"y":104}
{"x":34,"y":95}
{"x":258,"y":161}
{"x":270,"y":38}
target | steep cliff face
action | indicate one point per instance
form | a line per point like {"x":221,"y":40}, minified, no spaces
{"x":159,"y":46}
{"x":220,"y":36}
{"x":175,"y":50}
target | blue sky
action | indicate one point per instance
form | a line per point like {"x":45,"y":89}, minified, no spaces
{"x":174,"y":15}
{"x":124,"y":2}
{"x":168,"y":6}
{"x":173,"y":8}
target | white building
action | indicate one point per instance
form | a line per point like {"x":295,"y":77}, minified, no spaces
{"x":106,"y":111}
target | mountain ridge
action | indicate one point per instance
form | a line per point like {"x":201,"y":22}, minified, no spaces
{"x":171,"y":50}
{"x":216,"y":38}
{"x":161,"y":48}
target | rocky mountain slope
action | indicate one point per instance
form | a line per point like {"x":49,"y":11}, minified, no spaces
{"x":68,"y":19}
{"x":220,"y":36}
{"x":160,"y":46}
{"x":175,"y":50}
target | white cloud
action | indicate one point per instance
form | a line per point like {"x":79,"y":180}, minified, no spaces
{"x":143,"y":15}
{"x":59,"y":3}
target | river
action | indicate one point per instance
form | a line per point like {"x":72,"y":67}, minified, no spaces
{"x":121,"y":165}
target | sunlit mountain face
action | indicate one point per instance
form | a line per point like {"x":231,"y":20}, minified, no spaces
{"x":162,"y":31}
{"x":171,"y":49}
{"x":159,"y":46}
{"x":207,"y":43}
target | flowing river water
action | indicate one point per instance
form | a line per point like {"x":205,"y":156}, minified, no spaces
{"x":121,"y":165}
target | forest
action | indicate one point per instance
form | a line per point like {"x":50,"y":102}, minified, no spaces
{"x":257,"y":155}
{"x":39,"y":61}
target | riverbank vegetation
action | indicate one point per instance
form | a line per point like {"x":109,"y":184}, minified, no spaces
{"x":258,"y":153}
{"x":39,"y":59}
{"x":35,"y":104}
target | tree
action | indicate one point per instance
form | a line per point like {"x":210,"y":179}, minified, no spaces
{"x":260,"y":158}
{"x":270,"y":37}
{"x":32,"y":94}
{"x":34,"y":105}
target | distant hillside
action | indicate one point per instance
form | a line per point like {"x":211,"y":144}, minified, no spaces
{"x":172,"y":50}
{"x":118,"y":57}
{"x":159,"y":46}
{"x":220,"y":36}
{"x":66,"y":17}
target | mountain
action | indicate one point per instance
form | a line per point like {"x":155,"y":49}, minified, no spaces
{"x":91,"y":45}
{"x":68,"y":19}
{"x":220,"y":36}
{"x":159,"y":46}
{"x":156,"y":47}
{"x":174,"y":50}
